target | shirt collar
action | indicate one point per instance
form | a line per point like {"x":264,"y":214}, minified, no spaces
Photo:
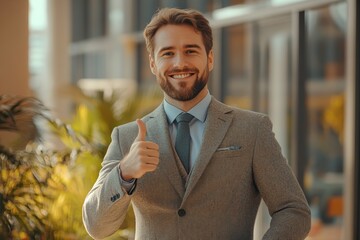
{"x":199,"y":111}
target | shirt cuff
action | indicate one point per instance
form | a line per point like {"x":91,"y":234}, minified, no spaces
{"x":129,"y":186}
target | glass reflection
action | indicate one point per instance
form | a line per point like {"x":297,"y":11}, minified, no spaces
{"x":325,"y":82}
{"x":235,"y":64}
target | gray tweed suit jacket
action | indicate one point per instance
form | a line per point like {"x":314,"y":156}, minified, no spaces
{"x":240,"y":162}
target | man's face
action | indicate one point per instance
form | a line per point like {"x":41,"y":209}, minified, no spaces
{"x":180,"y":62}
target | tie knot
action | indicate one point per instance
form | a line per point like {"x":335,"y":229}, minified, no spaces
{"x":184,"y":117}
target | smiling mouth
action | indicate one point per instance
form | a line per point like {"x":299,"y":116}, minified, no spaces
{"x":181,"y":76}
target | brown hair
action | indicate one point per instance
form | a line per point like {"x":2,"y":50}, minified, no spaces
{"x":176,"y":16}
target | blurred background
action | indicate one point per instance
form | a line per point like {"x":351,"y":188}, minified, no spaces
{"x":71,"y":70}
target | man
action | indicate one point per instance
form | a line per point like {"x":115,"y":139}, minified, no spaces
{"x":210,"y":190}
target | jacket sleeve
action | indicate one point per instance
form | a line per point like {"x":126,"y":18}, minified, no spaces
{"x":280,"y":190}
{"x":106,"y":204}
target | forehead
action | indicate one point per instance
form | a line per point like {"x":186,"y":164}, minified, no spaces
{"x":176,"y":36}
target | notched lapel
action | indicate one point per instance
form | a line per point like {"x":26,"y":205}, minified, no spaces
{"x":217,"y":124}
{"x":158,"y":132}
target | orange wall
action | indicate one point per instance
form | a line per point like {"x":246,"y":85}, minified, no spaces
{"x":14,"y":72}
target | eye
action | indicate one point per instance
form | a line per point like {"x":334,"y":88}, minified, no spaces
{"x":191,"y":51}
{"x":167,"y":54}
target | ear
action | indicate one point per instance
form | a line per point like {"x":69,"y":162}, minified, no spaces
{"x":152,"y":64}
{"x":211,"y":60}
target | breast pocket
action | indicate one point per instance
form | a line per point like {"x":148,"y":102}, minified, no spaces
{"x":236,"y":160}
{"x":229,"y":152}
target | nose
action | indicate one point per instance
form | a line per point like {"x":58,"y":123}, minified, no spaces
{"x":180,"y":61}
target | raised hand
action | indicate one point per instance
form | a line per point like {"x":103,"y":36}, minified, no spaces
{"x":143,"y":156}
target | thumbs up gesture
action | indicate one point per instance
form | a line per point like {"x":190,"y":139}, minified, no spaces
{"x":143,"y":156}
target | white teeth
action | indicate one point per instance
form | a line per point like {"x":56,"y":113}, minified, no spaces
{"x":177,"y":76}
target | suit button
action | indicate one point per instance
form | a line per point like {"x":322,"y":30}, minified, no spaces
{"x":181,"y":212}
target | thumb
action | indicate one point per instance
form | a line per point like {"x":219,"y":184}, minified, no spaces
{"x":142,"y":130}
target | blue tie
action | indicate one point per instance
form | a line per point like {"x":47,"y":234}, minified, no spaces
{"x":182,"y":142}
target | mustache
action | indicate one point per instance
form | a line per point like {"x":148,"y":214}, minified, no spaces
{"x":180,"y":70}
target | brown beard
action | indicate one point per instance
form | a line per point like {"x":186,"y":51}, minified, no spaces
{"x":184,"y":94}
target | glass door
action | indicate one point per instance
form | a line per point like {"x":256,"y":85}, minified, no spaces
{"x":325,"y":110}
{"x":257,"y":73}
{"x":272,"y":92}
{"x":256,"y":63}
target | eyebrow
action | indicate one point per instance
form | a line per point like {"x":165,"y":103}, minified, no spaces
{"x":165,"y":49}
{"x":186,"y":46}
{"x":192,"y":46}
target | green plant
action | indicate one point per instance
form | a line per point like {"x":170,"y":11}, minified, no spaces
{"x":42,"y":189}
{"x":27,"y":182}
{"x":94,"y":120}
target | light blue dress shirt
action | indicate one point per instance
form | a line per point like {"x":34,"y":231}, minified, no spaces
{"x":197,"y":125}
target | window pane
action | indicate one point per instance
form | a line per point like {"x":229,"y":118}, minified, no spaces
{"x":272,"y":67}
{"x":89,"y":65}
{"x":88,"y":18}
{"x":235,"y":66}
{"x":256,"y":69}
{"x":325,"y":85}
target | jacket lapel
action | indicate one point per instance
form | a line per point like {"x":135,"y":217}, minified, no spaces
{"x":158,"y":132}
{"x":217,"y":123}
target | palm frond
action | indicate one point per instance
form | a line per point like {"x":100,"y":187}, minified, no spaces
{"x":17,"y":113}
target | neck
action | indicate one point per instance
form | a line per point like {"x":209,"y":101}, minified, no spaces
{"x":187,"y":105}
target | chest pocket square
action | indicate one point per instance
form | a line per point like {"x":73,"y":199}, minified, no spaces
{"x":230,"y":148}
